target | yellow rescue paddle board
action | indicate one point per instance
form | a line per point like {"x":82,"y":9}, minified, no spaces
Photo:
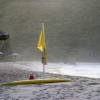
{"x":35,"y":81}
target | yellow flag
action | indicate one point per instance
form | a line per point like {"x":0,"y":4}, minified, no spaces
{"x":41,"y":42}
{"x":41,"y":45}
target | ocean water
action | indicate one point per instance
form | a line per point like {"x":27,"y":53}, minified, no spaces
{"x":72,"y":35}
{"x":72,"y":29}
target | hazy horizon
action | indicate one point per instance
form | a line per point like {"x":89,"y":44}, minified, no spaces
{"x":71,"y":26}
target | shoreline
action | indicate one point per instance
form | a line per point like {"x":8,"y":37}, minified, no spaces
{"x":9,"y":72}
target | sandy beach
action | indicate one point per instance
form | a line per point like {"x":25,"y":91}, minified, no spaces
{"x":81,"y":88}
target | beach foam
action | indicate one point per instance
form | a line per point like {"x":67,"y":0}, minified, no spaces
{"x":91,"y":70}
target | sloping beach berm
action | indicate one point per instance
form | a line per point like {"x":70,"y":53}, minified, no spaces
{"x":80,"y":89}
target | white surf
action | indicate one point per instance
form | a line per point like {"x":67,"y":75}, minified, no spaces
{"x":78,"y":69}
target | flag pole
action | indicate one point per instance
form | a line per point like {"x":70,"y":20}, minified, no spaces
{"x":41,"y":45}
{"x":43,"y":54}
{"x":43,"y":65}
